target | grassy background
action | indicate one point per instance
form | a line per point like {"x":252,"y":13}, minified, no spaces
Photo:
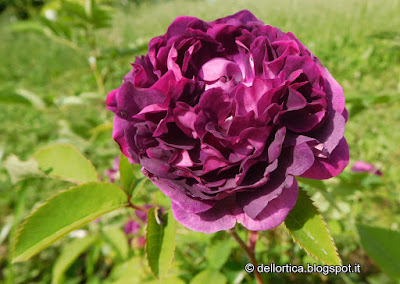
{"x":358,"y":41}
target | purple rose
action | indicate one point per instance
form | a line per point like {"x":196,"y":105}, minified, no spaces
{"x":363,"y":167}
{"x":223,"y":115}
{"x":113,"y":173}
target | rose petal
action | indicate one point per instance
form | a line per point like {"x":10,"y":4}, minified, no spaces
{"x":178,"y":196}
{"x":220,"y":217}
{"x":254,"y":201}
{"x":324,"y":168}
{"x":274,"y":213}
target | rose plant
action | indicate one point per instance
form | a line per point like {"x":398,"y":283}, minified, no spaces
{"x":223,"y":115}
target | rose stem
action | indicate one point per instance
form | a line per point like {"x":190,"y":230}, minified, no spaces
{"x":136,"y":207}
{"x":249,"y":252}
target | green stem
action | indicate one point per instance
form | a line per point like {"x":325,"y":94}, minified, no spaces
{"x":99,"y":80}
{"x":249,"y":252}
{"x":90,"y":33}
{"x":137,"y":207}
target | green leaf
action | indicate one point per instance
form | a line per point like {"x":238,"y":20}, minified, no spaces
{"x":63,"y":213}
{"x":102,"y":128}
{"x":132,"y":179}
{"x":309,"y":230}
{"x":19,"y":170}
{"x":65,"y":162}
{"x":315,"y":183}
{"x":382,"y":245}
{"x":25,"y":27}
{"x":218,"y":253}
{"x":209,"y":276}
{"x":167,"y":280}
{"x":319,"y":185}
{"x":68,"y":255}
{"x":137,"y":186}
{"x":127,"y":174}
{"x":89,"y":7}
{"x":118,"y":241}
{"x":188,"y":237}
{"x":160,"y":242}
{"x":9,"y":96}
{"x":122,"y":272}
{"x":34,"y":99}
{"x":101,"y":17}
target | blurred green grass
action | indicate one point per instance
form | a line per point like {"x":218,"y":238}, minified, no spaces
{"x":345,"y":35}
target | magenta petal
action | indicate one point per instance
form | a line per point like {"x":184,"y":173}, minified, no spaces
{"x":119,"y":134}
{"x":112,"y":101}
{"x":274,"y":213}
{"x":220,"y":67}
{"x":363,"y":167}
{"x":178,"y":196}
{"x":131,"y":227}
{"x":220,"y":217}
{"x":335,"y":91}
{"x":300,"y":159}
{"x":179,"y":25}
{"x":324,"y":168}
{"x":253,"y":202}
{"x":332,"y":132}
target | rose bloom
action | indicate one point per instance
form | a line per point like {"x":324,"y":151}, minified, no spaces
{"x":223,"y":115}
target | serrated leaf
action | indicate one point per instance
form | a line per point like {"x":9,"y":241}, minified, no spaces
{"x":382,"y":245}
{"x":68,"y":255}
{"x":65,"y":162}
{"x":19,"y":170}
{"x":63,"y":213}
{"x":118,"y":241}
{"x":319,"y":185}
{"x":209,"y":276}
{"x":315,"y":183}
{"x":309,"y":230}
{"x":218,"y":253}
{"x":160,"y":242}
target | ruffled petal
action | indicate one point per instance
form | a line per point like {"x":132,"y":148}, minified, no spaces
{"x":324,"y":168}
{"x":220,"y":217}
{"x":274,"y":213}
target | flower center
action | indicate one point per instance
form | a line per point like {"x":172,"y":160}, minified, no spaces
{"x":226,"y":74}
